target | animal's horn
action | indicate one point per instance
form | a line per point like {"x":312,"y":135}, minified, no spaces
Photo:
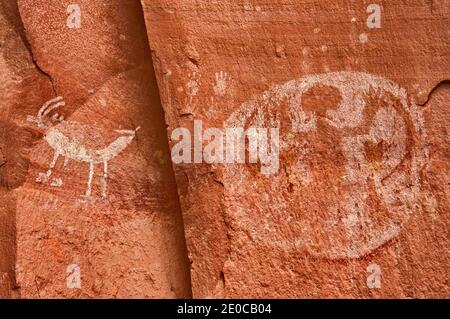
{"x":47,"y":104}
{"x":46,"y":108}
{"x":54,"y":106}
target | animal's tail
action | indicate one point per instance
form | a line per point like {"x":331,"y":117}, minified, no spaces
{"x":128,"y":132}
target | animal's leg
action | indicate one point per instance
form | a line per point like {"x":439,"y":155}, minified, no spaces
{"x":43,"y":177}
{"x":52,"y":164}
{"x":105,"y":179}
{"x":66,"y":161}
{"x":57,"y":182}
{"x":91,"y":176}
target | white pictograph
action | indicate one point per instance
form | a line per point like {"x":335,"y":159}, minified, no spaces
{"x":192,"y":88}
{"x":71,"y":145}
{"x":221,"y":83}
{"x":351,"y":176}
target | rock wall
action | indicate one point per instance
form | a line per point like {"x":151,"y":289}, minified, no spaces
{"x":93,"y":194}
{"x":340,"y":186}
{"x":356,"y":205}
{"x":23,"y":86}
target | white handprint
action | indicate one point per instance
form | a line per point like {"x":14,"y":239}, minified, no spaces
{"x":221,"y":85}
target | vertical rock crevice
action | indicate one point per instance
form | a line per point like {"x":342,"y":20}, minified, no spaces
{"x":184,"y":258}
{"x":17,"y":68}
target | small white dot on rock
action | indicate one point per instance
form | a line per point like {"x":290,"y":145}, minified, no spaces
{"x":353,"y":20}
{"x":316,"y":30}
{"x":306,"y":51}
{"x":324,"y":48}
{"x":363,"y":38}
{"x":305,"y":64}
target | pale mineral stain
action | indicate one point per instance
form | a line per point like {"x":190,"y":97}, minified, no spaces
{"x":363,"y":38}
{"x":306,"y":51}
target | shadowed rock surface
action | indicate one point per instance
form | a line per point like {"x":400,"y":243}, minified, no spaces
{"x":22,"y":86}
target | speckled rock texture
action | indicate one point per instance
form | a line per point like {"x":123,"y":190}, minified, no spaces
{"x":359,"y":205}
{"x":89,"y":205}
{"x":353,"y":96}
{"x":22,"y":85}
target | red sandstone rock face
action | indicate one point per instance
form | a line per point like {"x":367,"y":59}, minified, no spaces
{"x":363,"y":176}
{"x":88,"y":200}
{"x":22,"y":87}
{"x":87,"y":175}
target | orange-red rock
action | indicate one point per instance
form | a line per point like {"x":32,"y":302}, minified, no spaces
{"x":363,"y":176}
{"x":87,"y":177}
{"x":354,"y":205}
{"x":22,"y":87}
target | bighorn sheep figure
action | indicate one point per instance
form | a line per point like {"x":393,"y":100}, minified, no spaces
{"x":71,"y":141}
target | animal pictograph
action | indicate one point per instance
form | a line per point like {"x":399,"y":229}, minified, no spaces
{"x":71,"y":140}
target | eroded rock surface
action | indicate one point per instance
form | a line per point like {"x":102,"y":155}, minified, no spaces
{"x":356,"y":204}
{"x":362,"y":180}
{"x":22,"y":87}
{"x":86,"y":172}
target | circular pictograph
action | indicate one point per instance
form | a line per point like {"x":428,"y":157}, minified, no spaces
{"x":351,"y":147}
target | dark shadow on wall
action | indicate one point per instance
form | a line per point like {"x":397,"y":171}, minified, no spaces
{"x":162,"y":127}
{"x":10,"y":10}
{"x":9,"y":14}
